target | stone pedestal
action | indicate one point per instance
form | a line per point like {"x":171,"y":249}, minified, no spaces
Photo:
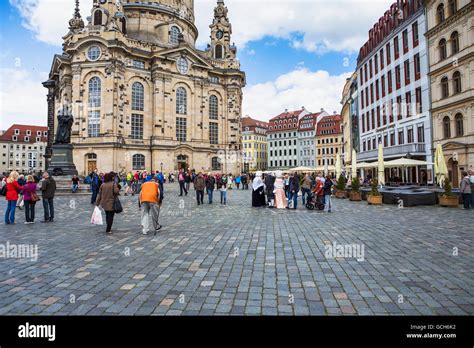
{"x":61,"y":160}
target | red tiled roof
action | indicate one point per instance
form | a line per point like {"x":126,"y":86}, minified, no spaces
{"x":287,"y":120}
{"x":308,"y":122}
{"x":329,"y":125}
{"x":252,"y":123}
{"x":10,"y":132}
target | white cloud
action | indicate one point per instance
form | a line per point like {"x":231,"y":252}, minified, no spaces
{"x":24,"y":101}
{"x":301,"y":87}
{"x":313,"y":25}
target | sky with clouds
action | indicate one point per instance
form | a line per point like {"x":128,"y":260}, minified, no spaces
{"x":295,"y":52}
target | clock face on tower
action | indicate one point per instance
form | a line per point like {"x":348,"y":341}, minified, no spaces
{"x":219,"y":34}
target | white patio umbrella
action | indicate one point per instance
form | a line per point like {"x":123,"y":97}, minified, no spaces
{"x":354,"y":163}
{"x":301,"y":169}
{"x":381,"y":167}
{"x":406,"y":162}
{"x":441,"y":170}
{"x":338,"y":165}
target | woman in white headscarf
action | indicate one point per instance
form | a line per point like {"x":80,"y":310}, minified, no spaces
{"x":280,"y":197}
{"x":258,"y":198}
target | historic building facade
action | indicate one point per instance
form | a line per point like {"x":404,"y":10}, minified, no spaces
{"x":22,"y":148}
{"x":254,"y":144}
{"x":450,"y":39}
{"x":306,"y":140}
{"x":393,"y":91}
{"x":142,"y":95}
{"x":349,"y":119}
{"x":328,"y":141}
{"x":282,"y":139}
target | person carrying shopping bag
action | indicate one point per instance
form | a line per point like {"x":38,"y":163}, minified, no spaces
{"x":106,"y":197}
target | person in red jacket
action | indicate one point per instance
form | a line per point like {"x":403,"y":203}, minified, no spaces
{"x":12,"y":196}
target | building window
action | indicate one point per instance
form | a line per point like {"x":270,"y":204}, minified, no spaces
{"x":215,"y":163}
{"x":123,"y":21}
{"x":138,"y":162}
{"x":405,"y":41}
{"x":407,"y":72}
{"x":387,"y":49}
{"x":454,"y":42}
{"x":421,"y":134}
{"x":419,"y":105}
{"x":381,"y":58}
{"x":219,"y":52}
{"x":410,"y":139}
{"x":396,"y":48}
{"x":389,"y":81}
{"x":401,"y":138}
{"x":457,"y":82}
{"x":414,"y":29}
{"x":98,"y":17}
{"x":408,"y":103}
{"x":442,"y":49}
{"x":174,"y":35}
{"x":181,"y":129}
{"x":94,"y":92}
{"x":181,"y":101}
{"x":397,"y":76}
{"x":459,"y":125}
{"x":214,"y":133}
{"x":416,"y":62}
{"x":452,"y":7}
{"x":444,"y":87}
{"x":137,"y":126}
{"x":213,"y":107}
{"x":138,"y":64}
{"x":447,"y":127}
{"x":440,"y":13}
{"x":137,"y":97}
{"x":94,"y":105}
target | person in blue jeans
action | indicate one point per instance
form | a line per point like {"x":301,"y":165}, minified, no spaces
{"x":95,"y":185}
{"x":327,"y":193}
{"x":306,"y":187}
{"x":293,"y":190}
{"x":48,"y":189}
{"x":465,"y":189}
{"x":11,"y":196}
{"x":210,"y":186}
{"x":471,"y":179}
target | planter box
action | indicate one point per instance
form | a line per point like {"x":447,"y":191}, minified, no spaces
{"x":449,"y":201}
{"x":340,"y":194}
{"x":376,"y":200}
{"x":355,"y":196}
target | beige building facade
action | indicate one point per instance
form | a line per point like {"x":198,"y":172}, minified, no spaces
{"x":450,"y":38}
{"x":142,"y":95}
{"x":254,"y":144}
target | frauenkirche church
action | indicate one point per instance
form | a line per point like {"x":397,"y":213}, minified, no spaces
{"x":142,"y":95}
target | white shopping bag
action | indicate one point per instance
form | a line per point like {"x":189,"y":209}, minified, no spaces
{"x":96,"y":218}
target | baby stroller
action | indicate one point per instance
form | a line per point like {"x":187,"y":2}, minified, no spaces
{"x":315,"y":201}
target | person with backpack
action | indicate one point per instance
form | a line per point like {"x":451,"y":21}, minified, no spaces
{"x":48,"y":189}
{"x":30,"y":198}
{"x":11,"y":195}
{"x":210,"y":185}
{"x":199,"y":186}
{"x":238,"y":179}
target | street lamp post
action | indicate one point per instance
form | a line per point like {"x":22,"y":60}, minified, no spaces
{"x":161,"y":165}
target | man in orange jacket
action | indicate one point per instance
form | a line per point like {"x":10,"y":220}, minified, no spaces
{"x":150,"y":202}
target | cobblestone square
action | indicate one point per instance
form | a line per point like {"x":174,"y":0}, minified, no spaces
{"x":239,"y":260}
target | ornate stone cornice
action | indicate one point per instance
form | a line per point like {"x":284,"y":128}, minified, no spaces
{"x":464,"y":11}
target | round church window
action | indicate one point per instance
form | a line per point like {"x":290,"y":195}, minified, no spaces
{"x":94,"y":53}
{"x":182,"y":65}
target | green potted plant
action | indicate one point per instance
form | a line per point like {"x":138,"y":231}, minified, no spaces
{"x":355,"y":190}
{"x":448,"y":199}
{"x":374,"y":197}
{"x":341,"y":186}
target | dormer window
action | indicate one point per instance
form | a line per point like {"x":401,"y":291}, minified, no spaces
{"x":98,"y":17}
{"x":38,"y":133}
{"x":45,"y":133}
{"x":27,"y":139}
{"x":14,"y":138}
{"x":38,"y":139}
{"x":17,"y":132}
{"x":174,"y":35}
{"x":28,"y":132}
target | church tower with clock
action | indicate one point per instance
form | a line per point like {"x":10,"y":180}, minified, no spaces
{"x":142,"y":95}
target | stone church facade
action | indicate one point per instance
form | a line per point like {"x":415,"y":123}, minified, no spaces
{"x":142,"y":95}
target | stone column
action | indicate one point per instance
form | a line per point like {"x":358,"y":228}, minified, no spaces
{"x":51,"y":86}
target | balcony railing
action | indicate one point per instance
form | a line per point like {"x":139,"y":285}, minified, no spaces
{"x":394,"y":151}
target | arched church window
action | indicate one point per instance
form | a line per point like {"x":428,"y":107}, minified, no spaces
{"x":181,"y":101}
{"x":213,"y":107}
{"x":95,"y":90}
{"x":123,"y":21}
{"x":137,"y":97}
{"x":98,"y":17}
{"x":219,"y":52}
{"x":174,"y":34}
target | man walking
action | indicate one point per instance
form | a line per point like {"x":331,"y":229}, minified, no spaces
{"x":95,"y":185}
{"x":306,"y":187}
{"x":150,"y":203}
{"x":210,"y":186}
{"x":199,"y":185}
{"x":181,"y":180}
{"x":48,"y":189}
